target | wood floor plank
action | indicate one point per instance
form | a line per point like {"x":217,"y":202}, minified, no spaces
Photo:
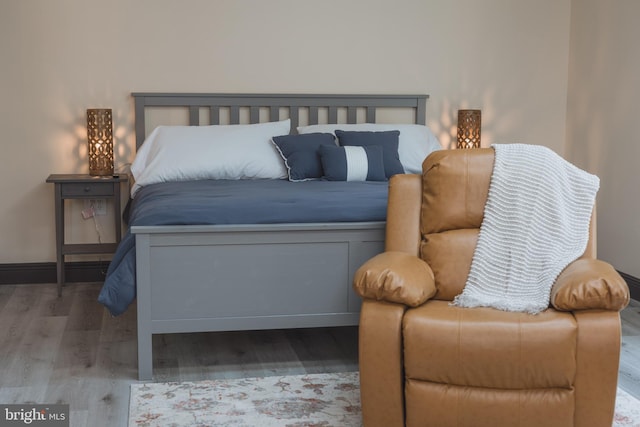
{"x":50,"y":304}
{"x":15,"y":319}
{"x":76,"y":361}
{"x":274,"y":354}
{"x":5,"y":294}
{"x":319,"y":351}
{"x":110,"y":400}
{"x":34,"y":394}
{"x":223,"y":354}
{"x":86,"y":313}
{"x":78,"y":352}
{"x":629,"y":371}
{"x":11,"y":335}
{"x":214,"y":355}
{"x":72,"y":391}
{"x":118,"y":328}
{"x":36,"y":353}
{"x":631,"y":319}
{"x":81,"y":419}
{"x":21,"y":301}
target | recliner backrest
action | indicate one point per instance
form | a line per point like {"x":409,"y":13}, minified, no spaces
{"x":455,"y":186}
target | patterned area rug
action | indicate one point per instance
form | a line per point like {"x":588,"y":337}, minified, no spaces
{"x":627,"y":410}
{"x":322,"y":400}
{"x":292,"y":401}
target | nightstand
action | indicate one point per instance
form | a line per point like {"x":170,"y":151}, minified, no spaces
{"x":76,"y":186}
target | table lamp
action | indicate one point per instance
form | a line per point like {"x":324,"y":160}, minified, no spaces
{"x":469,"y":122}
{"x":100,"y":139}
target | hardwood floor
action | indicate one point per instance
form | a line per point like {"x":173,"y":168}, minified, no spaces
{"x":70,"y":350}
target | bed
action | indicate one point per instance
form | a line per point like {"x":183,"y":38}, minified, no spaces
{"x":264,"y":275}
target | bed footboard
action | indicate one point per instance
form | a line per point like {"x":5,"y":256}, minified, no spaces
{"x":244,"y":277}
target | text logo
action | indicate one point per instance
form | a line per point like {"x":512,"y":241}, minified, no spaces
{"x":34,"y":415}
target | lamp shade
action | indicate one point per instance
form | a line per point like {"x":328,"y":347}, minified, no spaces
{"x":100,"y":139}
{"x":469,"y":123}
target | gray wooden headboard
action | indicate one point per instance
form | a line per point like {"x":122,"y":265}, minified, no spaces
{"x":274,"y":103}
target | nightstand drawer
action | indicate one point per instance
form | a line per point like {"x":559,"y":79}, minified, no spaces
{"x":87,"y":189}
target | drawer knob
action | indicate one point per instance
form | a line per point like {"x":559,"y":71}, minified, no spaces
{"x":87,"y":189}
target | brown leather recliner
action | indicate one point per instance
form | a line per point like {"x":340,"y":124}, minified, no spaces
{"x":424,"y":362}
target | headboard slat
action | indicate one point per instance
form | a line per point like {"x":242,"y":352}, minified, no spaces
{"x":254,"y":114}
{"x":234,"y":115}
{"x":214,"y":112}
{"x":313,"y":115}
{"x":333,"y":114}
{"x":194,"y":115}
{"x":274,"y":113}
{"x":140,"y":126}
{"x":293,"y":115}
{"x":371,"y":115}
{"x":352,"y":115}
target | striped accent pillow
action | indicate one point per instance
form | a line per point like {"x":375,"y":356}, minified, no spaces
{"x":387,"y":140}
{"x":352,"y":163}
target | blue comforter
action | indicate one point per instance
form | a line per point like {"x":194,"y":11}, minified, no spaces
{"x":236,"y":202}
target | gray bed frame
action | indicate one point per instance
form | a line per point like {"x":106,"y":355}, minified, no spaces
{"x":198,"y":278}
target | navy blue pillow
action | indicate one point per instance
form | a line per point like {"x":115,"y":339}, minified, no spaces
{"x":300,"y":154}
{"x":352,"y":163}
{"x":388,"y":140}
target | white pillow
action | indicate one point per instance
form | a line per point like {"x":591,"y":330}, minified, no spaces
{"x":416,"y":142}
{"x":182,"y":153}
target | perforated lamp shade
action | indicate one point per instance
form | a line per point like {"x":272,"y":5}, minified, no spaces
{"x":100,"y":139}
{"x":469,"y":123}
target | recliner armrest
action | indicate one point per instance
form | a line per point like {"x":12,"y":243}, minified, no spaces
{"x":395,"y":277}
{"x":589,"y":284}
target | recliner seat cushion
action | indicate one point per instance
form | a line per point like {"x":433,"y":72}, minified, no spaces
{"x":488,"y":348}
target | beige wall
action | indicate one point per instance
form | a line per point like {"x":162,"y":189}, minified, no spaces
{"x":508,"y":57}
{"x":603,"y":121}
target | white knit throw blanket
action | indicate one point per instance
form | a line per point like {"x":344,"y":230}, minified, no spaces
{"x":536,"y":222}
